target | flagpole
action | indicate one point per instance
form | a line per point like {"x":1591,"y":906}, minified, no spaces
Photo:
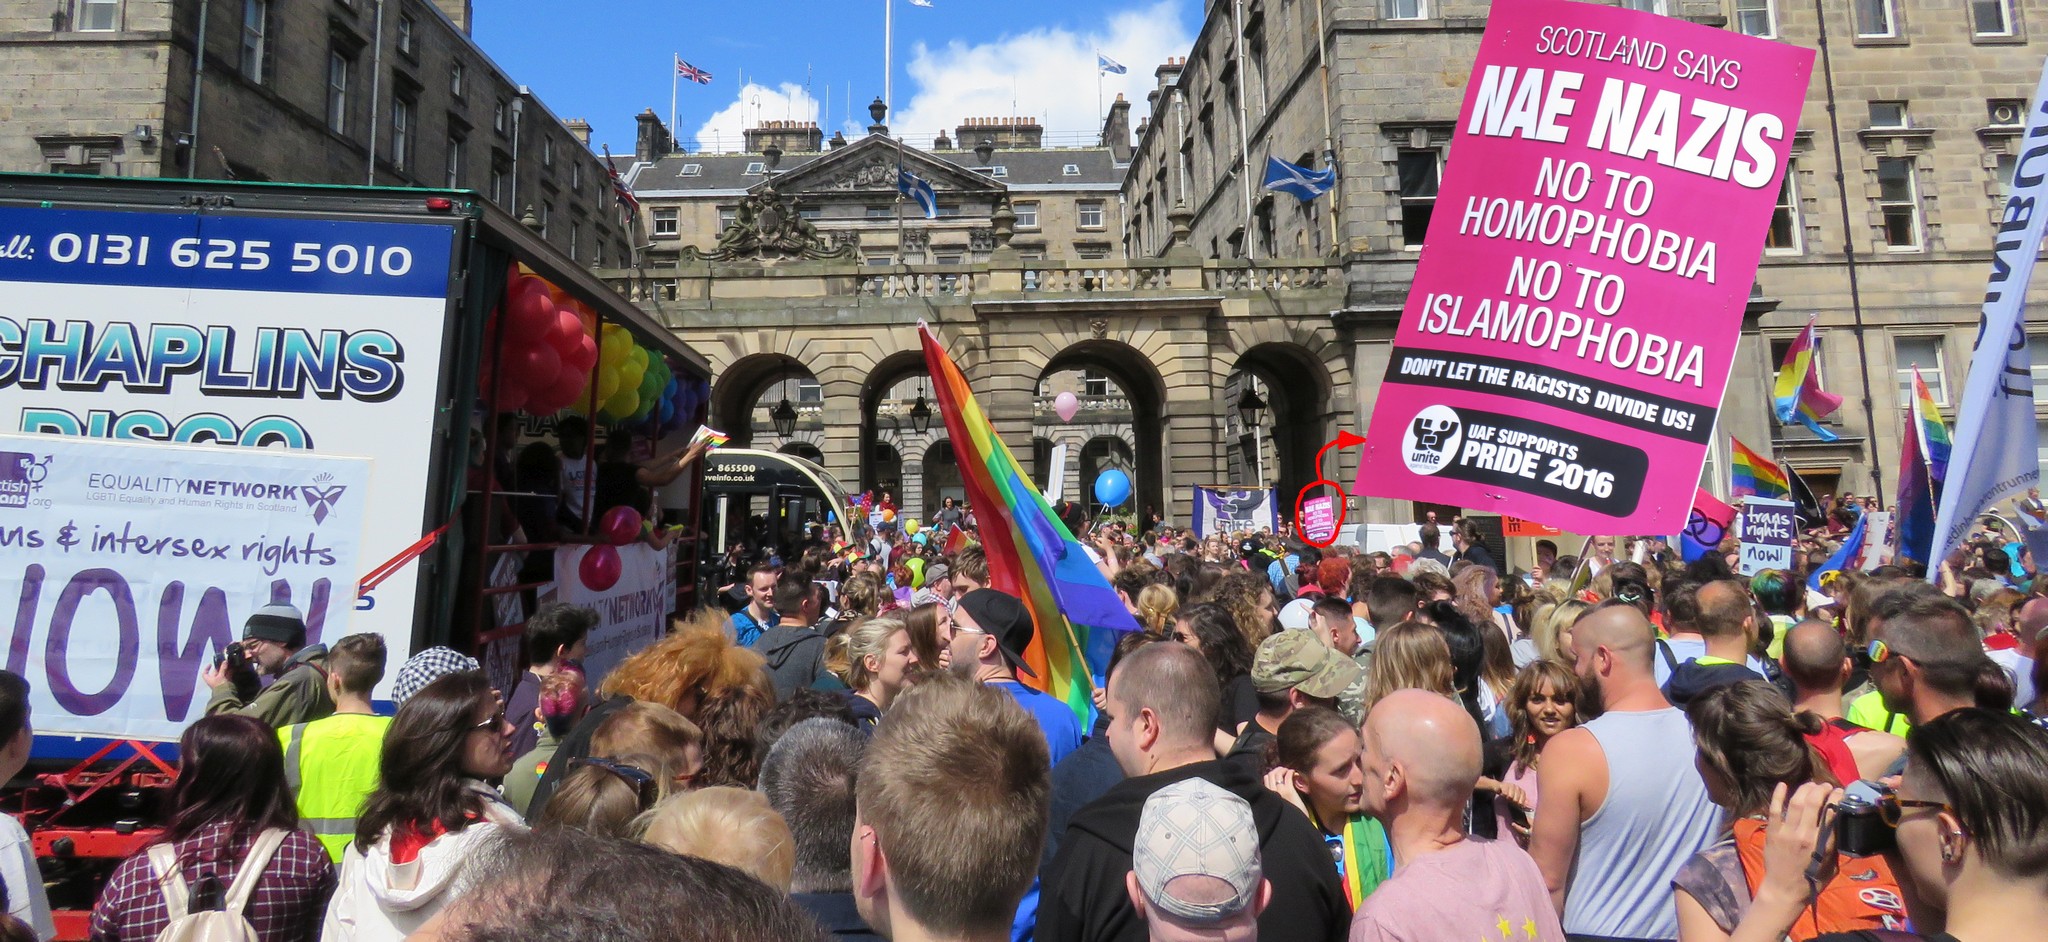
{"x":1244,"y":145}
{"x":1329,"y":130}
{"x":888,"y":66}
{"x":1098,"y":85}
{"x":899,"y":195}
{"x":675,"y":72}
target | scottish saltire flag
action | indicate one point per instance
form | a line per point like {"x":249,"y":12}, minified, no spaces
{"x":1704,"y":529}
{"x":1031,"y":554}
{"x":1753,"y":475}
{"x":1798,"y":396}
{"x":1844,"y":558}
{"x":1915,"y":510}
{"x":1934,"y":441}
{"x":1300,"y":182}
{"x":918,"y":191}
{"x":1109,"y":66}
{"x":691,"y":72}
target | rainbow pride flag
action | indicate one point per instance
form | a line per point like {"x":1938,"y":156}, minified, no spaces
{"x":1934,"y":441}
{"x":1754,"y":475}
{"x":1798,"y":396}
{"x":1031,"y":554}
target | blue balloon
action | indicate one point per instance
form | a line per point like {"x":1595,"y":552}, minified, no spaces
{"x":1113,"y":487}
{"x":667,"y":411}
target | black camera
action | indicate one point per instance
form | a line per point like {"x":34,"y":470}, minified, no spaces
{"x":1860,"y":829}
{"x":235,"y":665}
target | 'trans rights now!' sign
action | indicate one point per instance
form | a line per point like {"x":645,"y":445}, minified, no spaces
{"x":1563,"y":350}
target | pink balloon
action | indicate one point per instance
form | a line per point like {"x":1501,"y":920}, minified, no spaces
{"x":600,"y":568}
{"x":566,"y":392}
{"x":1067,"y":406}
{"x":534,"y":366}
{"x":568,"y":333}
{"x":620,"y":525}
{"x":530,"y":312}
{"x":581,"y":357}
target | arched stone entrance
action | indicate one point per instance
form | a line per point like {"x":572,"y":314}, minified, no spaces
{"x":1128,"y":398}
{"x":1277,"y":398}
{"x":760,"y":393}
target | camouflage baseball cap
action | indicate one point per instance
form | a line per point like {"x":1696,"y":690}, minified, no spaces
{"x":1297,"y":659}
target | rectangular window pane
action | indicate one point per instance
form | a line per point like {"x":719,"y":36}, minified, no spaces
{"x":2037,"y":352}
{"x":1784,"y":234}
{"x":452,"y":172}
{"x":1888,"y":114}
{"x":1646,"y":6}
{"x":337,"y":93}
{"x":1926,"y":353}
{"x":455,"y":79}
{"x":1405,"y":9}
{"x":99,"y":15}
{"x":1898,"y":202}
{"x":1755,"y":18}
{"x":255,"y":22}
{"x":1091,"y":215}
{"x":1991,"y":17}
{"x":401,"y":133}
{"x":1419,"y":175}
{"x":1027,"y":215}
{"x":1874,"y":18}
{"x":665,"y":222}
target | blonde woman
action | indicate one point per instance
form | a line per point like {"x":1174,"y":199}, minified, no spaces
{"x":733,"y":826}
{"x":1156,"y":606}
{"x":1550,"y":633}
{"x":1410,"y":655}
{"x":879,"y":657}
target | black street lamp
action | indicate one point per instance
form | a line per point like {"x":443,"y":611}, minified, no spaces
{"x":1249,"y":406}
{"x":784,"y":417}
{"x":921,"y":414}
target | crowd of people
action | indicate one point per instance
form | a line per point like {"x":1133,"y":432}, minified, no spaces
{"x":1296,"y":744}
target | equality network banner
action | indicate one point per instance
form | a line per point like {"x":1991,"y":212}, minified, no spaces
{"x":1563,"y":351}
{"x":263,"y":332}
{"x":632,"y":613}
{"x":129,"y":567}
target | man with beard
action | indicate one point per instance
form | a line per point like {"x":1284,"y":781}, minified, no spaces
{"x":1621,"y":804}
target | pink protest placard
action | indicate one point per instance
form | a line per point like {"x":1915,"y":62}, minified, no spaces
{"x":1563,"y":350}
{"x":1319,"y":519}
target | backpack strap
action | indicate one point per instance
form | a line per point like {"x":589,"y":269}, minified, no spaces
{"x":260,"y":852}
{"x":1670,"y":659}
{"x":163,"y":865}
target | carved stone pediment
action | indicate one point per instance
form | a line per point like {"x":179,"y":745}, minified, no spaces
{"x":870,"y":164}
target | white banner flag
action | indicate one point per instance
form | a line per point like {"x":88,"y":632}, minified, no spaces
{"x":1996,"y":442}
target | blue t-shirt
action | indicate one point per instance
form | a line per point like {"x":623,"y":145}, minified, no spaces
{"x":1055,"y":719}
{"x":745,"y":630}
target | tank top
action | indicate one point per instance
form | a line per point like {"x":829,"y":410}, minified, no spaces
{"x":1655,"y":816}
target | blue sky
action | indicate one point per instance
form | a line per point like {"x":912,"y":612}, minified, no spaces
{"x":606,"y":63}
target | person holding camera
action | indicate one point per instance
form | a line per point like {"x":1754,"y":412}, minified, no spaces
{"x":273,"y":642}
{"x":1750,"y":744}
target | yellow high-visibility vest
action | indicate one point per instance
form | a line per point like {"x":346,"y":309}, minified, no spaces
{"x":331,"y":766}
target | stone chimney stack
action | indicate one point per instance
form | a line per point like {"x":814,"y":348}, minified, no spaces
{"x":794,"y":137}
{"x":1116,"y":130}
{"x":653,"y":141}
{"x":1007,"y":133}
{"x":579,"y":129}
{"x":460,"y":12}
{"x":1169,"y":73}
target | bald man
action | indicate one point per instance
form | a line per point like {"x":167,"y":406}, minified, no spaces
{"x":1817,"y":662}
{"x":1421,"y":761}
{"x":1620,"y":804}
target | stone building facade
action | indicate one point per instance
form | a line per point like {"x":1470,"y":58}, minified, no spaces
{"x":1929,"y":105}
{"x":1065,"y":199}
{"x":384,"y":92}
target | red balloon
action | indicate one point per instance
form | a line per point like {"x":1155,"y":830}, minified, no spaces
{"x":534,"y":366}
{"x":580,"y":357}
{"x":568,"y":331}
{"x":511,"y":397}
{"x":600,"y":568}
{"x":567,"y":391}
{"x":620,"y":525}
{"x":529,"y":312}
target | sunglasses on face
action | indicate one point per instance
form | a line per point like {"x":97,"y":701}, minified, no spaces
{"x":1879,"y":652}
{"x":1892,"y":808}
{"x":496,"y":722}
{"x":644,"y":785}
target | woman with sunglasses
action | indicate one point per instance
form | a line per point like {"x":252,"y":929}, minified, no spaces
{"x":603,"y":796}
{"x":431,"y":812}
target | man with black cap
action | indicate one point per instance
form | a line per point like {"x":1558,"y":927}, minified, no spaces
{"x":991,"y":629}
{"x":274,"y":640}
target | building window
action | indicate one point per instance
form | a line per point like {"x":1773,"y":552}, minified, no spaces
{"x":692,"y":170}
{"x":947,"y":257}
{"x":255,"y":30}
{"x":2006,"y":112}
{"x":999,"y":171}
{"x":1093,"y":253}
{"x":406,"y":26}
{"x":455,"y":80}
{"x":2001,"y":171}
{"x":401,"y":132}
{"x":1783,"y":239}
{"x":880,"y":212}
{"x":451,"y":176}
{"x":500,"y":181}
{"x":1820,"y":363}
{"x":2037,"y":353}
{"x":810,"y":212}
{"x":1027,"y":215}
{"x":1094,"y":384}
{"x":1876,"y":19}
{"x":726,"y":216}
{"x":1406,"y":9}
{"x":1756,"y":18}
{"x":547,"y":209}
{"x":1925,"y":353}
{"x":1898,"y":199}
{"x":876,"y":259}
{"x":665,"y":223}
{"x":338,"y":66}
{"x":1090,"y":213}
{"x":1647,"y":6}
{"x":547,"y":150}
{"x":575,"y":240}
{"x":1889,"y":114}
{"x":91,"y":157}
{"x":576,"y":177}
{"x":99,"y":16}
{"x":1991,"y":17}
{"x":1070,"y":170}
{"x":499,"y":113}
{"x":1419,"y":172}
{"x":756,"y":169}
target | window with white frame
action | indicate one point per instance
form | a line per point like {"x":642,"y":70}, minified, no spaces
{"x":1089,"y":214}
{"x":575,"y":239}
{"x":255,"y":37}
{"x":2037,"y":352}
{"x":338,"y":67}
{"x":498,"y":183}
{"x":498,"y":116}
{"x":692,"y":170}
{"x":98,"y":16}
{"x":1991,"y":17}
{"x":1784,"y":235}
{"x":1070,"y":170}
{"x":1406,"y":9}
{"x":455,"y":79}
{"x":547,"y":150}
{"x":1027,"y":214}
{"x":1756,"y":18}
{"x":1926,"y":354}
{"x":1890,"y":114}
{"x":547,"y":210}
{"x":756,"y":168}
{"x":2002,"y":168}
{"x":665,"y":221}
{"x":576,"y":176}
{"x":726,"y":216}
{"x":407,"y":26}
{"x":1658,"y":7}
{"x":1876,"y":19}
{"x":451,"y":171}
{"x":401,"y":132}
{"x":1419,"y":172}
{"x":1094,"y":383}
{"x":1898,"y":201}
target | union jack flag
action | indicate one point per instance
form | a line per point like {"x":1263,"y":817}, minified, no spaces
{"x":692,"y":73}
{"x":619,"y":188}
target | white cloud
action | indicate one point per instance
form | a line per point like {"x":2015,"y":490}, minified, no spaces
{"x":724,"y":131}
{"x":1048,"y":74}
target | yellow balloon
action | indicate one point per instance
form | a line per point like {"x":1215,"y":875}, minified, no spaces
{"x":607,"y":383}
{"x":910,"y":527}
